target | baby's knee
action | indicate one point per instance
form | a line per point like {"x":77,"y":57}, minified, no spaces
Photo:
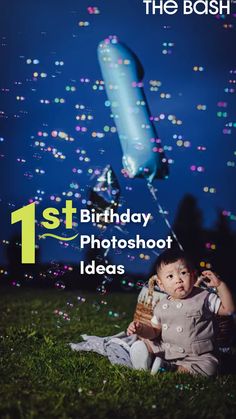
{"x":206,"y":366}
{"x":211,"y":371}
{"x":206,"y":369}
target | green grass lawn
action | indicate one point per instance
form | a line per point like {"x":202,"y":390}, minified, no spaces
{"x":40,"y":377}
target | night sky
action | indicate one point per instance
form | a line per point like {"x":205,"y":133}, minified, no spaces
{"x":52,"y":97}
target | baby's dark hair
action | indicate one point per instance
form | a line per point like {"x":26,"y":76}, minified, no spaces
{"x":171,"y":256}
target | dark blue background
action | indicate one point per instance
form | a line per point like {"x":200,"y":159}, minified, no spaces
{"x":49,"y":31}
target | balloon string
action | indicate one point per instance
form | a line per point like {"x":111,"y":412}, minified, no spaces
{"x":161,"y":211}
{"x":107,"y":251}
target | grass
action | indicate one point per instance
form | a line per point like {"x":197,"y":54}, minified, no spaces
{"x":40,"y":377}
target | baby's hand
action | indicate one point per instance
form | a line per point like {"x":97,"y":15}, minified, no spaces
{"x":210,"y":278}
{"x":134,"y":327}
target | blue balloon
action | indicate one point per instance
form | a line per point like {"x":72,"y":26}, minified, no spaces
{"x":122,"y":73}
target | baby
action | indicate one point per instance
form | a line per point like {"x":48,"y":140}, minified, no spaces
{"x":183,"y":320}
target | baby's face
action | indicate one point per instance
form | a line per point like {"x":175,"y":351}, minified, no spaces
{"x":176,"y":279}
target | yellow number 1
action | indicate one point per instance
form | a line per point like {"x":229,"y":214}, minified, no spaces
{"x":27,"y":216}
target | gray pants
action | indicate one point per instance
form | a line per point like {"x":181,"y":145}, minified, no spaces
{"x":204,"y":364}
